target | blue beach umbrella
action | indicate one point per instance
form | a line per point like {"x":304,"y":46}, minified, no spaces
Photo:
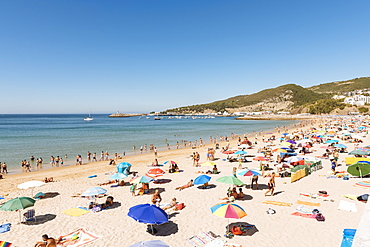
{"x":118,"y":176}
{"x":148,"y":213}
{"x":94,"y":191}
{"x":340,"y":146}
{"x":202,"y":179}
{"x":151,"y":243}
{"x":332,"y":141}
{"x":285,"y":134}
{"x":240,"y":152}
{"x":121,"y":167}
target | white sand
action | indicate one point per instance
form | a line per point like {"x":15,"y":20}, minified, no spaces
{"x":117,"y":229}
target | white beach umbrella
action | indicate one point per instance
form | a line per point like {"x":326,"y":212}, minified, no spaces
{"x":30,"y":184}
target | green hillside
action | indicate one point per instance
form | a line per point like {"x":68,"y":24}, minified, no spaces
{"x":298,"y":95}
{"x":342,"y":86}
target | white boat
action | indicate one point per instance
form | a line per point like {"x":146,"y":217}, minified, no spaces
{"x":89,"y":118}
{"x":157,"y":118}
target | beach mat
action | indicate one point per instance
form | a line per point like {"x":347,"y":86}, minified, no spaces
{"x":363,"y":184}
{"x":78,"y":238}
{"x":286,"y":204}
{"x":5,"y":244}
{"x":309,"y":216}
{"x":347,"y":206}
{"x":5,"y":228}
{"x":308,"y":203}
{"x":352,"y":197}
{"x":75,"y":212}
{"x":200,"y":239}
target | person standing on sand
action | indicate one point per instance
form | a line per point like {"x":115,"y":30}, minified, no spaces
{"x":4,"y":168}
{"x":155,"y":152}
{"x":52,"y":161}
{"x":88,"y":156}
{"x":102,"y":156}
{"x":106,"y":155}
{"x":271,"y":185}
{"x":40,"y":162}
{"x":94,"y":158}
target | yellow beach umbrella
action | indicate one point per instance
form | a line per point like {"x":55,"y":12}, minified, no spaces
{"x":208,"y":163}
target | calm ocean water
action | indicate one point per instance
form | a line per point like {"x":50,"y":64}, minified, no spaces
{"x":44,"y":135}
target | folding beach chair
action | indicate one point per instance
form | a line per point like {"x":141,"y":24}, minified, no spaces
{"x":29,"y":215}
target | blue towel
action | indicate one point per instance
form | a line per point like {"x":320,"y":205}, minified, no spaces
{"x":93,"y":176}
{"x":83,"y":208}
{"x":5,"y":228}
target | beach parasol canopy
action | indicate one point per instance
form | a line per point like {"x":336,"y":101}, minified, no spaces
{"x":260,"y":158}
{"x":363,"y":184}
{"x":230,"y":180}
{"x":359,"y":169}
{"x":151,"y":243}
{"x":240,"y":152}
{"x":148,"y":213}
{"x":229,"y":152}
{"x":208,"y":163}
{"x":358,"y":152}
{"x":17,"y":203}
{"x":291,"y":141}
{"x":118,"y":176}
{"x":142,"y":179}
{"x":243,"y":146}
{"x":285,"y":143}
{"x":170,"y":162}
{"x":202,"y":179}
{"x":294,"y":159}
{"x":340,"y":145}
{"x":331,"y":141}
{"x":249,"y":172}
{"x":228,"y":210}
{"x":155,"y":172}
{"x":30,"y":184}
{"x":123,"y":166}
{"x":94,"y":191}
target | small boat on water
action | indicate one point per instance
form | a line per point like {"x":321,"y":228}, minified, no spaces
{"x":157,"y":118}
{"x":89,"y":118}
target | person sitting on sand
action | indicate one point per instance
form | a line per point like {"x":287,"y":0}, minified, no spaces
{"x":207,"y":172}
{"x":108,"y":203}
{"x":156,"y":198}
{"x":171,"y":205}
{"x":155,"y":163}
{"x":215,"y":170}
{"x":240,"y":194}
{"x":47,"y":242}
{"x":145,"y":187}
{"x":189,"y":184}
{"x":48,"y":180}
{"x":234,"y":193}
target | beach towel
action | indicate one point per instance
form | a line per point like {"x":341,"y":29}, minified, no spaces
{"x":92,"y":176}
{"x":232,"y":245}
{"x":78,"y":238}
{"x":308,"y":203}
{"x":200,"y":239}
{"x":352,"y":197}
{"x":5,"y":228}
{"x":304,"y":210}
{"x":215,"y":243}
{"x":5,"y":244}
{"x":75,"y":212}
{"x":347,"y":206}
{"x":309,"y":216}
{"x":278,"y":203}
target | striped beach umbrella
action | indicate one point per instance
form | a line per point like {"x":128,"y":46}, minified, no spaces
{"x":155,"y":172}
{"x":142,"y":179}
{"x":250,"y":172}
{"x":228,"y":210}
{"x":363,"y":184}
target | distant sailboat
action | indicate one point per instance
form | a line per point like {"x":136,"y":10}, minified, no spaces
{"x":89,"y":118}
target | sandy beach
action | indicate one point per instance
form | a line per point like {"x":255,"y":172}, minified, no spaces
{"x":118,"y":229}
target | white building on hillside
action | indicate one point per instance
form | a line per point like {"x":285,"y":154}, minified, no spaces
{"x":357,"y":100}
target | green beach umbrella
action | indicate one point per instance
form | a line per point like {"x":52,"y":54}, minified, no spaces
{"x":359,"y":169}
{"x":230,"y":180}
{"x":17,"y":203}
{"x":358,"y":152}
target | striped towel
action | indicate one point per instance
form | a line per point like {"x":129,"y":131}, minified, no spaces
{"x":5,"y":244}
{"x":200,"y":239}
{"x":278,"y":203}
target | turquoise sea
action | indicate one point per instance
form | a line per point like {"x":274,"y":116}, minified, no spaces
{"x":44,"y":135}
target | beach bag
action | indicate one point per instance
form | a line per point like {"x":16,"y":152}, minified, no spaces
{"x":179,"y":206}
{"x":320,"y":217}
{"x":271,"y":211}
{"x":363,"y":197}
{"x":236,"y":230}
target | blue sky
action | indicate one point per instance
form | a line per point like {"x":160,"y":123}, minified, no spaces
{"x":148,"y":55}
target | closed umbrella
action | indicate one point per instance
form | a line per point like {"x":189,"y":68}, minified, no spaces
{"x":151,"y":243}
{"x":359,"y":169}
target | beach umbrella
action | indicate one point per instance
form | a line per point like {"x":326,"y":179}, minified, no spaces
{"x":240,"y":152}
{"x":230,"y":180}
{"x":123,"y":166}
{"x":170,"y":162}
{"x":155,"y":172}
{"x":294,"y":159}
{"x":285,"y":143}
{"x":151,"y":243}
{"x":148,"y":214}
{"x":363,"y":184}
{"x":356,"y":136}
{"x":358,"y":152}
{"x":202,"y":179}
{"x":260,"y":158}
{"x":244,"y":146}
{"x":31,"y":184}
{"x":208,"y":163}
{"x":285,"y":134}
{"x":228,"y":210}
{"x":326,"y":147}
{"x":17,"y":204}
{"x":249,"y":172}
{"x":359,"y":169}
{"x":291,"y":141}
{"x":142,"y":179}
{"x":340,"y":145}
{"x":331,"y":141}
{"x":118,"y":176}
{"x":229,"y":152}
{"x":94,"y":191}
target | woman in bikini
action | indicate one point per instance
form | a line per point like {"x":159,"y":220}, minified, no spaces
{"x":271,"y":185}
